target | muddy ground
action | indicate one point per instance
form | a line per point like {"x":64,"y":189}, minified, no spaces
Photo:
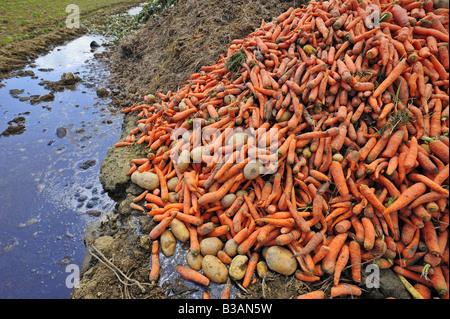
{"x":158,"y":59}
{"x":16,"y":54}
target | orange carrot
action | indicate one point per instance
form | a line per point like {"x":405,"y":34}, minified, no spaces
{"x":369,"y":233}
{"x":226,"y":292}
{"x":329,"y":261}
{"x":155,"y":266}
{"x":345,"y":289}
{"x":251,"y":266}
{"x":191,"y":274}
{"x":423,"y":290}
{"x":341,"y":262}
{"x":406,"y":197}
{"x":396,"y":72}
{"x":355,"y":260}
{"x":161,"y":227}
{"x":316,"y":294}
{"x":338,"y":177}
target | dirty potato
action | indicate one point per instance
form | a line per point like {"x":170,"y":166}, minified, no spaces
{"x":210,"y":246}
{"x":194,"y":260}
{"x":179,"y":230}
{"x":146,"y":180}
{"x":214,"y":269}
{"x":281,"y":260}
{"x":238,"y":267}
{"x":168,"y":243}
{"x":231,"y":247}
{"x":172,"y":183}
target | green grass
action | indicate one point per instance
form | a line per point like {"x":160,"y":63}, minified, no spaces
{"x":20,"y":19}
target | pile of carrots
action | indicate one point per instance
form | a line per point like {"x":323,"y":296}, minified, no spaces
{"x":361,"y":109}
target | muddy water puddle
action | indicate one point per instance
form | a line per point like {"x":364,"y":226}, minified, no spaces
{"x":52,"y":144}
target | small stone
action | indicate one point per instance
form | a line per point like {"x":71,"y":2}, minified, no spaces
{"x":87,"y":164}
{"x":82,"y":198}
{"x":61,"y":132}
{"x":91,"y":203}
{"x":102,"y":92}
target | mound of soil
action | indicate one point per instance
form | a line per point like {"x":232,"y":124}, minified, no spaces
{"x":158,"y":58}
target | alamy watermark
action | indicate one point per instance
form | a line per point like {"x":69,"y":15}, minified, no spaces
{"x":373,"y":276}
{"x":73,"y":279}
{"x":232,"y":145}
{"x":73,"y":19}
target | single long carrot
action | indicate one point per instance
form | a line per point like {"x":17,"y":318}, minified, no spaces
{"x":316,"y":294}
{"x":406,"y":197}
{"x":344,"y":290}
{"x":395,"y":73}
{"x":161,"y":227}
{"x":341,"y":262}
{"x":251,"y":266}
{"x":329,"y":261}
{"x":191,"y":274}
{"x":156,"y":265}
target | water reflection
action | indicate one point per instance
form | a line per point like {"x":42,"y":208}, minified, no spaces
{"x":45,"y":184}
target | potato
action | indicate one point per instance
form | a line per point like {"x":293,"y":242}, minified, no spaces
{"x":228,"y":99}
{"x":210,"y":246}
{"x":182,"y":106}
{"x":228,"y":200}
{"x":214,"y":269}
{"x":285,"y":117}
{"x":231,"y":247}
{"x":168,"y":243}
{"x":196,"y":154}
{"x":162,"y":149}
{"x":173,"y":197}
{"x":172,"y":183}
{"x":261,"y":268}
{"x":241,"y":193}
{"x":141,"y":127}
{"x":194,"y":260}
{"x":252,"y":170}
{"x":338,"y":157}
{"x":183,"y":161}
{"x":145,"y":180}
{"x":281,"y":260}
{"x":237,"y":138}
{"x":179,"y":230}
{"x":238,"y":267}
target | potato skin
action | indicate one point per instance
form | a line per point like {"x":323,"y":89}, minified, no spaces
{"x":238,"y":267}
{"x":281,"y":260}
{"x":146,"y":180}
{"x":231,"y":247}
{"x":168,"y":243}
{"x":214,"y":269}
{"x":172,"y":183}
{"x":210,"y":246}
{"x":194,"y":260}
{"x":179,"y":230}
{"x":228,"y":200}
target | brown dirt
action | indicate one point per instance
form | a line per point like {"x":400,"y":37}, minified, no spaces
{"x":158,"y":59}
{"x":16,"y":54}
